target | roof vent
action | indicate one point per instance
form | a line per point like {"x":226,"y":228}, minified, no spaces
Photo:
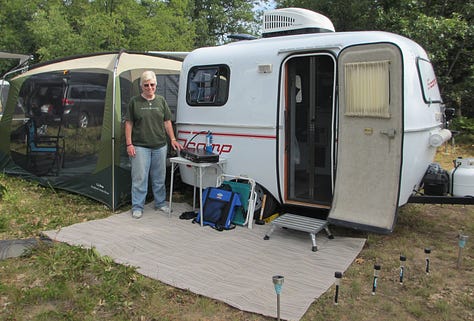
{"x":293,"y":21}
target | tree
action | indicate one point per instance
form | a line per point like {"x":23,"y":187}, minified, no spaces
{"x":53,"y":33}
{"x":346,"y":15}
{"x":58,"y":28}
{"x":165,"y":26}
{"x":15,"y":36}
{"x":215,"y":19}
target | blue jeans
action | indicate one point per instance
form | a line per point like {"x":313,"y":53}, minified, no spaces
{"x":148,"y":162}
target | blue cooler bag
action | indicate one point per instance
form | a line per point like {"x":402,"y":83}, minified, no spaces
{"x":219,"y":207}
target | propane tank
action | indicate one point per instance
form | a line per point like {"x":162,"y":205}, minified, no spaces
{"x":462,"y":177}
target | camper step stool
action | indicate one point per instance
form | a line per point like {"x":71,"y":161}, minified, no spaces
{"x":300,"y":223}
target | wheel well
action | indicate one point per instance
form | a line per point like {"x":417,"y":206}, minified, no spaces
{"x":271,"y":202}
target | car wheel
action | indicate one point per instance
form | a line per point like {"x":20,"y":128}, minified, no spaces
{"x":83,"y":120}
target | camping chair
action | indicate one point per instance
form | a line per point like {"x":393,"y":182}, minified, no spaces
{"x":245,"y":187}
{"x":43,"y":146}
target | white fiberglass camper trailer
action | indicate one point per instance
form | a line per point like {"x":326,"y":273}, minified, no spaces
{"x":347,"y":121}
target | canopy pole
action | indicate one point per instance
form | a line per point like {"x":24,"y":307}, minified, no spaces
{"x":114,"y":89}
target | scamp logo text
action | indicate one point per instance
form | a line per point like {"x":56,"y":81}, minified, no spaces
{"x":216,"y":148}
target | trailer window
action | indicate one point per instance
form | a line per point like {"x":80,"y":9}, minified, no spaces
{"x":367,"y":89}
{"x":429,"y":84}
{"x":208,"y":86}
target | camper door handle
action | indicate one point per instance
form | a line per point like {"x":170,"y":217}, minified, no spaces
{"x":390,"y":133}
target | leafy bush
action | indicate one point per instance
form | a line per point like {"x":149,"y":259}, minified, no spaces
{"x":465,"y":126}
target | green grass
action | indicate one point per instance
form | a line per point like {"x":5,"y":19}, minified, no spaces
{"x":27,"y":209}
{"x":56,"y":281}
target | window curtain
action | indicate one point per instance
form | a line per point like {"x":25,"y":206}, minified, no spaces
{"x":367,"y":87}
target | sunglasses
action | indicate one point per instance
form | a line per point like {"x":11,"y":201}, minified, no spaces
{"x":149,"y":85}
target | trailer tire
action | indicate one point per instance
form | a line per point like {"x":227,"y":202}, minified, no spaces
{"x":270,"y":203}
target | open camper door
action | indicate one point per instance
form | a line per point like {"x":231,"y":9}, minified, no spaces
{"x":370,"y":137}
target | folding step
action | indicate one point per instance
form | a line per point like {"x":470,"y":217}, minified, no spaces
{"x":300,"y":223}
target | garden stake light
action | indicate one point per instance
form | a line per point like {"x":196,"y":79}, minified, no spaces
{"x":278,"y":284}
{"x":427,"y":252}
{"x":462,"y":244}
{"x":338,"y":276}
{"x":376,"y":276}
{"x":402,"y":267}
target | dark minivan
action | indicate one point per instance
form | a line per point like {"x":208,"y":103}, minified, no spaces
{"x":83,"y":105}
{"x":77,"y":101}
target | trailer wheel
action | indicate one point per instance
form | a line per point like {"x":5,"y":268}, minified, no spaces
{"x":270,"y":203}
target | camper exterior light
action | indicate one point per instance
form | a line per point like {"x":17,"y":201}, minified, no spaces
{"x":265,"y":68}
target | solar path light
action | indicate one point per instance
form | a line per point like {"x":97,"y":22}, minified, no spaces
{"x":376,"y":276}
{"x":462,"y":244}
{"x":338,"y":276}
{"x":427,"y":267}
{"x":278,"y":284}
{"x":402,"y":267}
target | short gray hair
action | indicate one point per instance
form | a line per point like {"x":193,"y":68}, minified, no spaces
{"x":146,"y":76}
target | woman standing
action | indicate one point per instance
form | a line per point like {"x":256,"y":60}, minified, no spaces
{"x":147,"y":122}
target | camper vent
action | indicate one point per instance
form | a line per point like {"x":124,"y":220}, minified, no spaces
{"x":291,"y":21}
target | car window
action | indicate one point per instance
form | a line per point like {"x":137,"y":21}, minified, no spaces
{"x":77,"y":92}
{"x":96,"y":92}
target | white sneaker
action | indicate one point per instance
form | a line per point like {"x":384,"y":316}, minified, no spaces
{"x":164,"y":209}
{"x":137,"y":214}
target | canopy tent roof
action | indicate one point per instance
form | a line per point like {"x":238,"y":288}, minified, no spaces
{"x":21,"y":66}
{"x":8,"y":55}
{"x":128,"y":62}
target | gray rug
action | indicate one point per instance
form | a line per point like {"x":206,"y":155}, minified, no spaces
{"x":233,"y":266}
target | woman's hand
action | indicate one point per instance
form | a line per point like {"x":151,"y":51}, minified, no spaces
{"x":176,"y":145}
{"x":131,"y":150}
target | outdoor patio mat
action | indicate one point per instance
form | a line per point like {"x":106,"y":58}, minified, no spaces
{"x":234,"y":266}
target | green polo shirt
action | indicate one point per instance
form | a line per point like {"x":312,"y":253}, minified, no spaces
{"x":148,"y":119}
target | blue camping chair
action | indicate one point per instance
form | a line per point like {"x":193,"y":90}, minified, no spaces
{"x":41,"y":148}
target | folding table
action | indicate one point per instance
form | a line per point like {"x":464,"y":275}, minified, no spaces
{"x":199,"y":170}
